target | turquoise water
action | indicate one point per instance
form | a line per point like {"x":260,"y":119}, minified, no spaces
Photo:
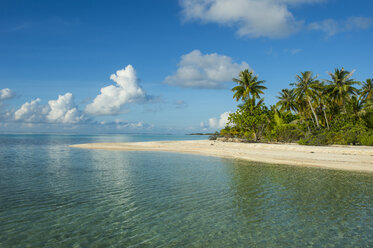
{"x":55,"y":196}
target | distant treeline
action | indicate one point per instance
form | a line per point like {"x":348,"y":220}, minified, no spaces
{"x":200,"y":134}
{"x":338,"y":110}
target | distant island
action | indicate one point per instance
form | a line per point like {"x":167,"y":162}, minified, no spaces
{"x":200,"y":134}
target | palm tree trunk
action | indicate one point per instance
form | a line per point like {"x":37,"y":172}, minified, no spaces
{"x":314,"y":114}
{"x":326,"y":119}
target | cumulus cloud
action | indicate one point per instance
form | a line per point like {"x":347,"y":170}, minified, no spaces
{"x":63,"y":110}
{"x":31,"y":112}
{"x":217,"y":123}
{"x":5,"y":94}
{"x":263,"y":18}
{"x":196,"y":70}
{"x":253,"y":18}
{"x":331,"y":27}
{"x":113,"y":97}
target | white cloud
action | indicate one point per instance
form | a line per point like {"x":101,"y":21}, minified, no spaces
{"x":331,"y":27}
{"x":253,"y":18}
{"x":217,"y":123}
{"x":125,"y":125}
{"x":130,"y":125}
{"x":31,"y":112}
{"x":113,"y":97}
{"x":264,"y":18}
{"x":6,"y":94}
{"x":357,"y":22}
{"x":196,"y":70}
{"x":63,"y":110}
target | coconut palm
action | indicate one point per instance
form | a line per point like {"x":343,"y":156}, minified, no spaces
{"x":305,"y":90}
{"x":248,"y":86}
{"x":357,"y":106}
{"x":367,"y":89}
{"x":322,"y":99}
{"x":287,"y":100}
{"x":251,"y":104}
{"x":340,"y":87}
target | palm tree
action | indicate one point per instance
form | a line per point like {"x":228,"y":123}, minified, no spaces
{"x":357,"y":106}
{"x":367,"y":89}
{"x":251,"y":104}
{"x":303,"y":111}
{"x":304,"y":90}
{"x":287,"y":100}
{"x":248,"y":86}
{"x":340,"y":86}
{"x":322,"y":99}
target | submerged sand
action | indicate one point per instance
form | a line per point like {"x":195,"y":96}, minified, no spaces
{"x":354,"y":158}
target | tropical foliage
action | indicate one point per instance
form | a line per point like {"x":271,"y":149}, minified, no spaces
{"x":248,"y":86}
{"x":337,"y":110}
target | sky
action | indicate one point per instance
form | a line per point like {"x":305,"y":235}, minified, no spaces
{"x":165,"y":66}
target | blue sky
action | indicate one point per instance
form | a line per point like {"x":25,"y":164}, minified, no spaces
{"x":57,"y":58}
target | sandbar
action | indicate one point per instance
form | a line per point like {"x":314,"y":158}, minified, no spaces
{"x":352,"y":158}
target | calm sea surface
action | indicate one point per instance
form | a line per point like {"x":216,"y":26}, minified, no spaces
{"x":55,"y":196}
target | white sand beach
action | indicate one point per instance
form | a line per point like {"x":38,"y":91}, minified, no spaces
{"x":353,"y":158}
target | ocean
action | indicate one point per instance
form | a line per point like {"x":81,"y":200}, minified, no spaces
{"x":52,"y":195}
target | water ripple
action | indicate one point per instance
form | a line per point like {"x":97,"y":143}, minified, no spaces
{"x":54,"y":196}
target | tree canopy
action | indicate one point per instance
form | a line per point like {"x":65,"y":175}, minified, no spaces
{"x":313,"y":111}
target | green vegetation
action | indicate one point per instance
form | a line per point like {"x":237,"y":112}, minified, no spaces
{"x":313,"y":112}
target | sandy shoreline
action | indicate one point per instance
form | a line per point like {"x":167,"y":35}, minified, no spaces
{"x":353,"y":158}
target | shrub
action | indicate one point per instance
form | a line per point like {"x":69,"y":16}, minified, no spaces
{"x":349,"y":134}
{"x":214,"y":136}
{"x":286,"y":133}
{"x":225,"y":132}
{"x":248,"y":136}
{"x":318,"y":139}
{"x":366,"y":139}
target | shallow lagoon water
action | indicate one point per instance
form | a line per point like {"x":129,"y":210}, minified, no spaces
{"x":55,"y":196}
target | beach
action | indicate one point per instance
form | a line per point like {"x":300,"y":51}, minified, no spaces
{"x":351,"y":158}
